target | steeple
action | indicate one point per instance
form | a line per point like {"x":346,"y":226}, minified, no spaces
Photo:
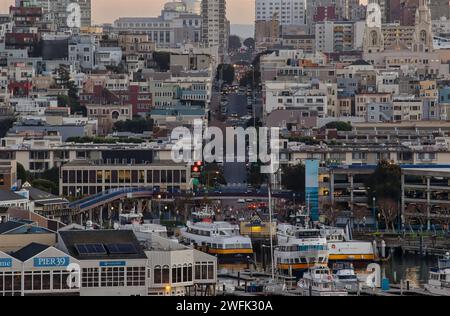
{"x":423,"y":35}
{"x":373,"y":35}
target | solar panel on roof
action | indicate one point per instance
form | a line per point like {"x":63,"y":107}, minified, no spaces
{"x":121,"y":249}
{"x":90,"y":249}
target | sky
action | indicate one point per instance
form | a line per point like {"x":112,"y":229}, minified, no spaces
{"x":239,"y":11}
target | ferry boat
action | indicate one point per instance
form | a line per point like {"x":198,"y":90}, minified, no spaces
{"x":342,"y":248}
{"x":143,"y":231}
{"x":299,"y":249}
{"x":345,"y":277}
{"x":439,"y":280}
{"x":319,"y":281}
{"x":220,"y":239}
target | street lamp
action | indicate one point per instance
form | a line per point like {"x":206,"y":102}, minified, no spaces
{"x":378,"y":222}
{"x":374,"y":202}
{"x":159,"y":205}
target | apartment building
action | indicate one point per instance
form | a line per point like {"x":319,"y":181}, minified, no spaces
{"x":287,"y":12}
{"x":215,"y":26}
{"x":363,"y":101}
{"x":290,"y":95}
{"x":335,"y":36}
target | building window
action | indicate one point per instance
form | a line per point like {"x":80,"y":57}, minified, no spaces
{"x":136,"y":276}
{"x":90,"y":278}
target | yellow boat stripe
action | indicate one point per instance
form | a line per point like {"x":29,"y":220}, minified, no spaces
{"x":230,"y":251}
{"x":352,"y":257}
{"x":298,"y":266}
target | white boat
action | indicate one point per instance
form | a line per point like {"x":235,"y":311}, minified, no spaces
{"x":342,"y":248}
{"x":319,"y":281}
{"x":345,"y":277}
{"x":439,"y":280}
{"x":220,"y":239}
{"x":143,"y":231}
{"x":299,"y":249}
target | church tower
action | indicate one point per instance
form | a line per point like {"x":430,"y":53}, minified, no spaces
{"x":373,"y":35}
{"x":423,"y":35}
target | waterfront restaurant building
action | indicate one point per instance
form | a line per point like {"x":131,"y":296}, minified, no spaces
{"x":36,"y":270}
{"x":107,"y":263}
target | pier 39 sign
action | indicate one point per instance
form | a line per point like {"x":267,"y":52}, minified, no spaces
{"x":51,"y":262}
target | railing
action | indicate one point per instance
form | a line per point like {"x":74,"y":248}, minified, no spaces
{"x":107,"y":195}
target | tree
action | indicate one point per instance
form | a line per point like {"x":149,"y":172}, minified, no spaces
{"x":212,"y":176}
{"x":360,"y":213}
{"x":255,"y":177}
{"x":250,"y":43}
{"x":226,"y":73}
{"x":389,"y":210}
{"x":444,"y":217}
{"x":137,"y":125}
{"x":64,"y":81}
{"x":234,"y":42}
{"x":45,"y":185}
{"x":340,"y":126}
{"x":293,"y":178}
{"x":162,"y":60}
{"x":22,"y":174}
{"x":332,"y":212}
{"x":385,"y":182}
{"x":5,"y":126}
{"x":51,"y":175}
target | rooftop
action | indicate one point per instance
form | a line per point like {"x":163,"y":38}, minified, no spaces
{"x":75,"y":239}
{"x":29,"y":251}
{"x":10,"y":196}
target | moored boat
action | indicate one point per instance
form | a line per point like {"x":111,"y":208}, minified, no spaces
{"x":299,"y":249}
{"x":439,"y":279}
{"x":319,"y":281}
{"x":221,"y":239}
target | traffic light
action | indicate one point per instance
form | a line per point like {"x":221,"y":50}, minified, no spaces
{"x":197,"y":168}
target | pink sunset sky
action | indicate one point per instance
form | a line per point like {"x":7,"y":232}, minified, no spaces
{"x":239,"y":11}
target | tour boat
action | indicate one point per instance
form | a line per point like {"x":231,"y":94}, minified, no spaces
{"x":342,"y":248}
{"x":220,"y":239}
{"x":299,"y":249}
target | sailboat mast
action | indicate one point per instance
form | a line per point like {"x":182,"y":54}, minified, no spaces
{"x":271,"y":225}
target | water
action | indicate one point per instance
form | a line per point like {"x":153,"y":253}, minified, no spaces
{"x":410,"y":267}
{"x":413,"y":268}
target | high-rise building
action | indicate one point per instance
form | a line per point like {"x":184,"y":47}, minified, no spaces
{"x":215,"y":24}
{"x":59,"y":11}
{"x":289,"y":12}
{"x":439,"y":9}
{"x":402,"y":11}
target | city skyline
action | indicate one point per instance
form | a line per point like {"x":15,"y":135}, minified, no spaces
{"x":238,"y":11}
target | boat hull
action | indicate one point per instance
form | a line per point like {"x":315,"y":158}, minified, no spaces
{"x":437,"y":290}
{"x":307,"y":292}
{"x":229,"y":256}
{"x":295,"y":270}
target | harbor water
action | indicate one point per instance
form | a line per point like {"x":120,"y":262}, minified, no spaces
{"x":411,"y":267}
